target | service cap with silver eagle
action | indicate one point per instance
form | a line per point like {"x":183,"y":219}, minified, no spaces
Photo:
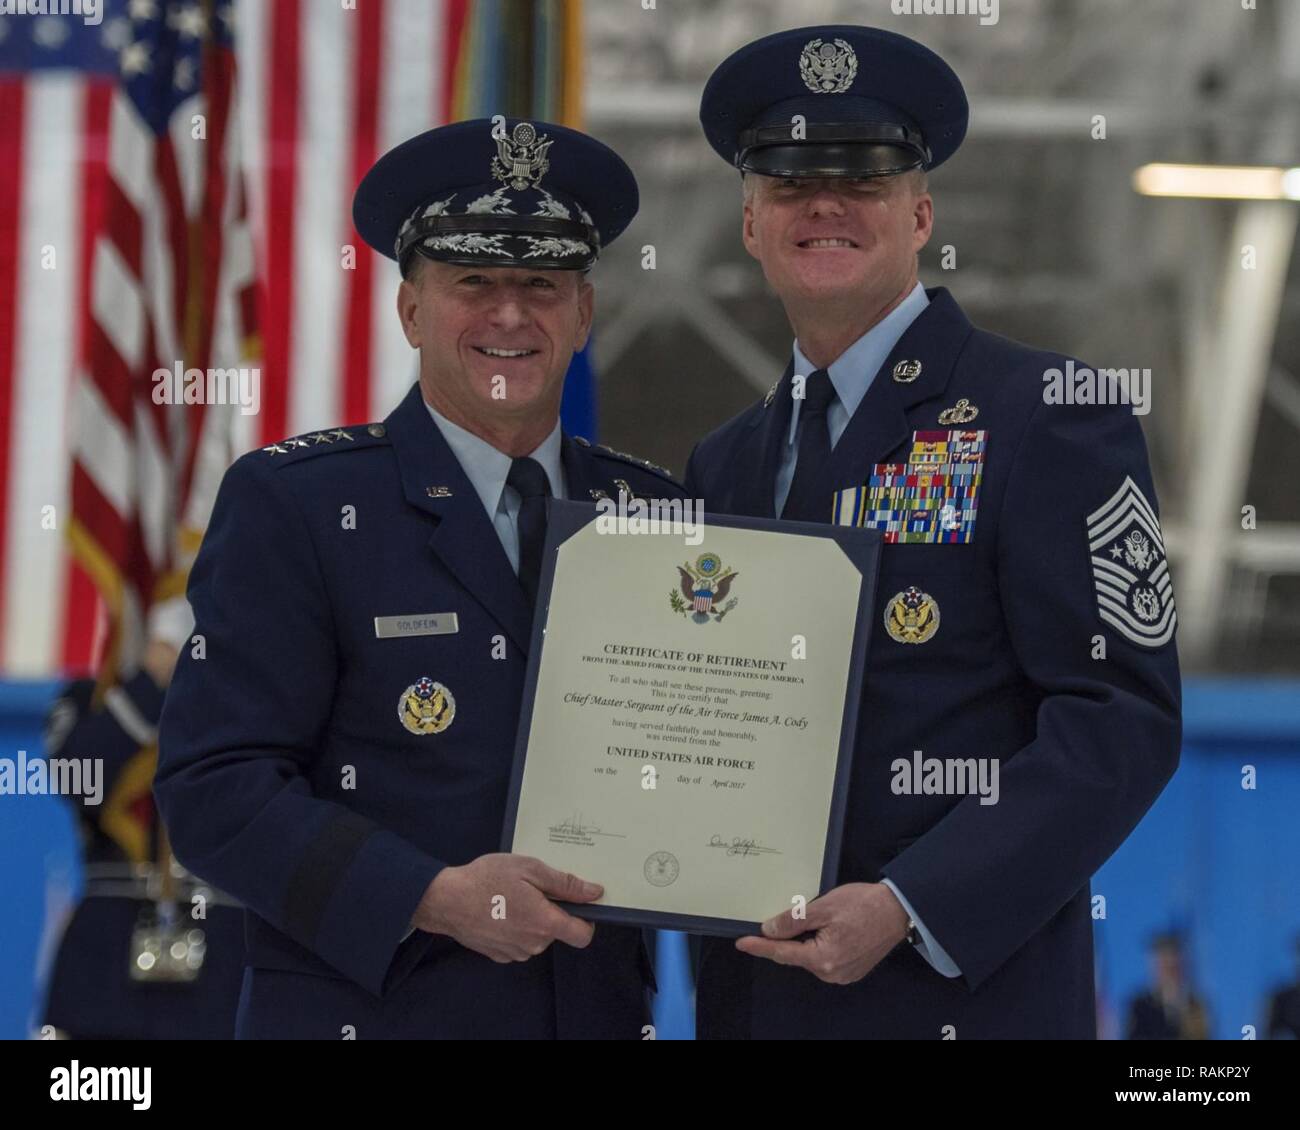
{"x":834,"y":101}
{"x":497,"y":192}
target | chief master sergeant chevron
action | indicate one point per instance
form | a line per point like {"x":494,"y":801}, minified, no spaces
{"x":1024,"y":612}
{"x":337,"y":757}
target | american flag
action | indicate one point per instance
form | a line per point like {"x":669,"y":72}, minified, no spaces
{"x":171,"y":284}
{"x":124,"y":249}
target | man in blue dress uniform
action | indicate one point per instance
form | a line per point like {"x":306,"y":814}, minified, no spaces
{"x":336,"y":747}
{"x":1024,"y":631}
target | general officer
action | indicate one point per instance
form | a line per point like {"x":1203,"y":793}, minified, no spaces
{"x":1024,"y":613}
{"x":338,"y":754}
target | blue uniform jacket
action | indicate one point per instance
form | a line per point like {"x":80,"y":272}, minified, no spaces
{"x":1014,"y":670}
{"x":288,"y":779}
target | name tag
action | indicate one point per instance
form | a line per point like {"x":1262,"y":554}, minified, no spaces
{"x":416,"y":624}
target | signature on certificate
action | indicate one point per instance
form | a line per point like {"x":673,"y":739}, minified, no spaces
{"x":740,"y":845}
{"x":576,"y":828}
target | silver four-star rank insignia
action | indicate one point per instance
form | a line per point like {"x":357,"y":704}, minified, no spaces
{"x":1130,"y":569}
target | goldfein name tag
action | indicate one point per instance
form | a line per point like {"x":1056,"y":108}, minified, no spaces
{"x":416,"y":624}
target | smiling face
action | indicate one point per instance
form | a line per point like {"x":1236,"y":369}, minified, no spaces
{"x":473,"y":325}
{"x":837,"y":242}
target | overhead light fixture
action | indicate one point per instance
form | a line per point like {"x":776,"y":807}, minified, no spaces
{"x":1219,"y":182}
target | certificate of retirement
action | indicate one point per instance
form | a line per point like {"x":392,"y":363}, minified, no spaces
{"x":690,"y":714}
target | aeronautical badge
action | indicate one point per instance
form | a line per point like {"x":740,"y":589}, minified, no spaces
{"x":704,"y":589}
{"x":963,"y":412}
{"x":521,"y":158}
{"x":828,"y":68}
{"x":912,"y":616}
{"x":426,"y":707}
{"x":1130,"y":570}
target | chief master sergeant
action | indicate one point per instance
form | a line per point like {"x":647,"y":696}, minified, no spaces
{"x":338,"y":758}
{"x":1024,"y":612}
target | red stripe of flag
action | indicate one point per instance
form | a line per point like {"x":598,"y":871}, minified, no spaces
{"x":283,"y":65}
{"x":365,"y":129}
{"x":175,"y":228}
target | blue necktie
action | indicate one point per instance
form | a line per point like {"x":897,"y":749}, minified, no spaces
{"x":528,"y":478}
{"x":809,"y":499}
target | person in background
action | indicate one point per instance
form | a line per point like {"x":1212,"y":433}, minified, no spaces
{"x":1284,"y":1006}
{"x":1170,"y":1009}
{"x":149,"y":953}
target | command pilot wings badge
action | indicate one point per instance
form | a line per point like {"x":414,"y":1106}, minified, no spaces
{"x":1130,"y":569}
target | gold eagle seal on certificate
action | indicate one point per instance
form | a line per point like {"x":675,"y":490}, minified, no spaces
{"x":912,"y":616}
{"x":426,"y":707}
{"x":704,"y":589}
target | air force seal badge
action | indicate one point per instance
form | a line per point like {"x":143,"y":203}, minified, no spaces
{"x":1130,"y":570}
{"x":912,"y":616}
{"x":426,"y":707}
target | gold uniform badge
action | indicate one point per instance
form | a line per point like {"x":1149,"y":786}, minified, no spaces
{"x":426,"y":707}
{"x":912,"y":616}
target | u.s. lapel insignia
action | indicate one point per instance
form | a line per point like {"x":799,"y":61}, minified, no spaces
{"x":912,"y":616}
{"x":426,"y":707}
{"x":963,"y":412}
{"x":598,"y":494}
{"x":771,"y":395}
{"x":1130,"y":569}
{"x":905,"y":372}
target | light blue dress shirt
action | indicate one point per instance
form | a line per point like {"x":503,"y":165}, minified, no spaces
{"x":851,"y":374}
{"x":487,"y":468}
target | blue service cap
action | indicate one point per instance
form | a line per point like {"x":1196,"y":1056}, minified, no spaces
{"x":497,"y":193}
{"x":873,"y":103}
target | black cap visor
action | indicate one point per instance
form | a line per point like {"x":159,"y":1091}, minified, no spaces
{"x":802,"y":159}
{"x":849,"y":149}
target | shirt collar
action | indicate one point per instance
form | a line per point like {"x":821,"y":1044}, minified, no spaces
{"x":487,"y":468}
{"x":853,"y":370}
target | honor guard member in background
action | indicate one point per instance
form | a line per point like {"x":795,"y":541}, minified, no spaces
{"x":339,"y":758}
{"x":1170,"y":1008}
{"x":1024,"y":610}
{"x":149,"y":953}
